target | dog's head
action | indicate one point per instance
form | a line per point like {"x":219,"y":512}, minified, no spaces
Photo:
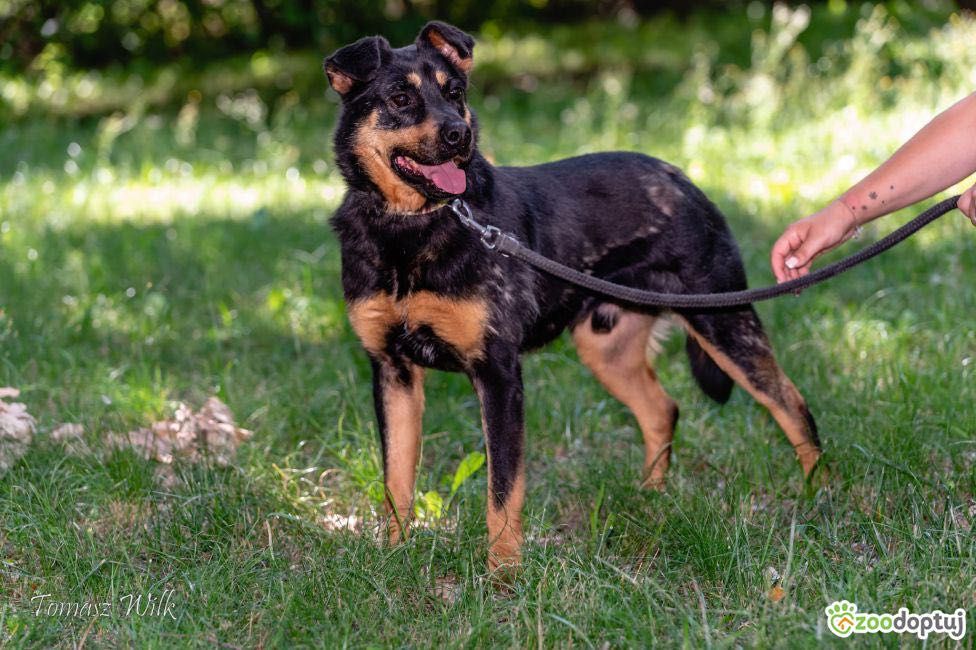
{"x":405,"y":130}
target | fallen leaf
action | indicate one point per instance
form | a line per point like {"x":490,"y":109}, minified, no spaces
{"x":17,"y":428}
{"x":776,"y":594}
{"x":210,"y":432}
{"x":70,"y":436}
{"x":67,"y":431}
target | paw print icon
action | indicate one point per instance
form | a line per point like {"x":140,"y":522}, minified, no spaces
{"x":840,"y":617}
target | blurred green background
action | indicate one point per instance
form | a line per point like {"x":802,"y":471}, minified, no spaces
{"x":67,"y":56}
{"x":86,"y":33}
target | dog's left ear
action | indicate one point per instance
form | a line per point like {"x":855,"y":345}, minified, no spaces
{"x":453,"y":44}
{"x":352,"y":66}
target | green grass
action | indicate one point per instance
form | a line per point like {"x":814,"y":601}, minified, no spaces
{"x":182,"y":250}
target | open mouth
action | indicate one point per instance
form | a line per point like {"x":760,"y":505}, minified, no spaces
{"x":446,"y":176}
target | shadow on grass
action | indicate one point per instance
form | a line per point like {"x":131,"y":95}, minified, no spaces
{"x":252,"y":308}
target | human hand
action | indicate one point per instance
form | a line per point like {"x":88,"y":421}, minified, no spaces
{"x":806,"y":239}
{"x":967,"y":203}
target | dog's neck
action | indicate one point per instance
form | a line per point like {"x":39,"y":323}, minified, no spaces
{"x":417,"y":243}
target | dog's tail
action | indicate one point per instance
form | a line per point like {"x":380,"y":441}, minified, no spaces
{"x":712,"y":379}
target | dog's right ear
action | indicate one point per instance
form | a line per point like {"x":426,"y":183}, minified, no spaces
{"x":353,"y":65}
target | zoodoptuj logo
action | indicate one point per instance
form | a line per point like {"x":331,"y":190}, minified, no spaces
{"x":843,"y":619}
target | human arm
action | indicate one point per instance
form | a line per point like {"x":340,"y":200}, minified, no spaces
{"x":939,"y":156}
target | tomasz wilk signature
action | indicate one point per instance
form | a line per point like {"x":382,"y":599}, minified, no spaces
{"x":143,"y":604}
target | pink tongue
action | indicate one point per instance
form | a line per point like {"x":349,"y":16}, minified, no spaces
{"x":447,"y":176}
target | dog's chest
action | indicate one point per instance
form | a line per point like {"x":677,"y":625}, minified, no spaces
{"x":431,"y":329}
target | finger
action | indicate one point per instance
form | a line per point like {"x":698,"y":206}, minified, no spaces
{"x":796,"y":273}
{"x":967,"y":204}
{"x":783,"y":249}
{"x":803,"y":254}
{"x":777,"y":256}
{"x":776,"y":259}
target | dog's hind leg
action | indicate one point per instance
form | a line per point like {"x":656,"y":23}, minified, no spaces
{"x":612,"y":343}
{"x":738,"y":344}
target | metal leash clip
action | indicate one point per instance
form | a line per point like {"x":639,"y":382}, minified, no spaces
{"x":490,"y":235}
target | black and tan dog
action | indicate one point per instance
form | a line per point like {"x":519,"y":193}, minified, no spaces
{"x":422,"y":291}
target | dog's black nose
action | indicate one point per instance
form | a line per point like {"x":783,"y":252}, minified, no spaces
{"x":455,"y":133}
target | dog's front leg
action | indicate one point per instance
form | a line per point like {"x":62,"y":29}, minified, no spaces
{"x":498,"y":382}
{"x":398,"y":396}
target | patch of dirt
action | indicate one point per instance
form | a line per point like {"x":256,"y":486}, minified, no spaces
{"x":117,"y":517}
{"x":447,"y":588}
{"x":335,"y":522}
{"x":865,"y":554}
{"x":17,"y":428}
{"x":193,"y":436}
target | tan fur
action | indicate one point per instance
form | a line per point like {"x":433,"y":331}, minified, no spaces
{"x":340,"y":82}
{"x":461,"y":323}
{"x":403,"y":407}
{"x":441,"y":77}
{"x":666,"y":196}
{"x":505,"y":526}
{"x":371,"y":318}
{"x":618,"y":360}
{"x":505,"y":523}
{"x":785,"y":409}
{"x":373,"y":147}
{"x":445,"y":48}
{"x":658,"y":335}
{"x":414,"y":79}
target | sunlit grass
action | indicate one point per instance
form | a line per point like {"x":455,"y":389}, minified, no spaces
{"x":180,"y":248}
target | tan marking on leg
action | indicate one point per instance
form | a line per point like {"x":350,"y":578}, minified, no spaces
{"x":618,"y":360}
{"x":414,"y":79}
{"x":460,"y":322}
{"x":371,"y":318}
{"x":505,"y":523}
{"x":788,"y":411}
{"x":505,"y":536}
{"x":403,"y":407}
{"x":374,"y":146}
{"x":441,"y":77}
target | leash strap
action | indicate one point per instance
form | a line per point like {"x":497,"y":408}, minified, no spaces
{"x":507,"y":244}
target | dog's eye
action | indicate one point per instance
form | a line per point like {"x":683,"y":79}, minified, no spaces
{"x":455,"y":94}
{"x":400,"y":100}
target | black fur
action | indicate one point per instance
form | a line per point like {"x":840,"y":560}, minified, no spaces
{"x":624,"y":217}
{"x":709,"y":377}
{"x":360,"y":61}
